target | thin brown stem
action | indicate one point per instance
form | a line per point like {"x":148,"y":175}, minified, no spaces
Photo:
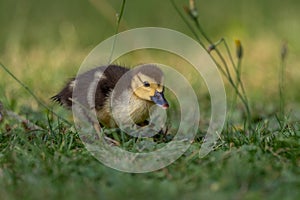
{"x":186,"y":22}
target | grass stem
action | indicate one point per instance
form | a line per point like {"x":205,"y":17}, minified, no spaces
{"x":192,"y":11}
{"x":32,"y":94}
{"x":281,"y":85}
{"x":119,"y":18}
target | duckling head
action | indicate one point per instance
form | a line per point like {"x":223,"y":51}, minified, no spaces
{"x":147,"y":84}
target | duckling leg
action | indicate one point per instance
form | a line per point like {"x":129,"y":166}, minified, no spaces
{"x":111,"y":141}
{"x":163,"y":135}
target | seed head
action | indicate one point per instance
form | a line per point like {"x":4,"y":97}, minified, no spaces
{"x":191,"y":10}
{"x":284,"y":50}
{"x":239,"y":49}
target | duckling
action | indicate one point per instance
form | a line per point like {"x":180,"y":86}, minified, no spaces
{"x":137,"y":90}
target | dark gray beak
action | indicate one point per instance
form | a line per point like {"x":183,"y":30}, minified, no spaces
{"x":160,"y":100}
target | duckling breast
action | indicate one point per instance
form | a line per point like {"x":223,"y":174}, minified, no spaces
{"x":139,"y":109}
{"x":124,"y":109}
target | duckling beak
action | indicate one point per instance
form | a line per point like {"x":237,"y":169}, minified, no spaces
{"x":160,"y":100}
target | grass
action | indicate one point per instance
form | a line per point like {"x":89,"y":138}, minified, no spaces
{"x":50,"y":40}
{"x":53,"y":163}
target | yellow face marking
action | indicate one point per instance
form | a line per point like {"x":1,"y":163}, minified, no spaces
{"x":159,"y":88}
{"x":145,"y":91}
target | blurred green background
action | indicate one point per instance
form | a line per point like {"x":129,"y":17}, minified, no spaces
{"x":44,"y":42}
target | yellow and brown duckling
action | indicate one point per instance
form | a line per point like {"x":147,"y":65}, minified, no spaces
{"x":136,"y":91}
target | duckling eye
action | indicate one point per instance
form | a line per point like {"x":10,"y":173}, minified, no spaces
{"x":146,"y":84}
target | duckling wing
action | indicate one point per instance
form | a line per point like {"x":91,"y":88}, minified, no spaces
{"x":93,"y":85}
